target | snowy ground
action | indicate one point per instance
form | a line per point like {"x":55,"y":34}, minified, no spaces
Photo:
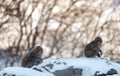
{"x":49,"y":66}
{"x":19,"y":71}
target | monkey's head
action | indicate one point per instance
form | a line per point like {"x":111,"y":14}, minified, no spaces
{"x":38,"y":50}
{"x":98,"y":40}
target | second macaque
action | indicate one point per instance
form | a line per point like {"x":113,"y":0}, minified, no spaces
{"x":93,"y":48}
{"x":33,"y":57}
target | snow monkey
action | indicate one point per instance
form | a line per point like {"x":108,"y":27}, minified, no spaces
{"x":33,"y":57}
{"x":93,"y":48}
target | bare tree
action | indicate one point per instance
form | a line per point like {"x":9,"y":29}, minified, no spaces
{"x":61,"y":27}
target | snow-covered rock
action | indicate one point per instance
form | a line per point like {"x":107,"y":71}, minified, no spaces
{"x":68,"y":67}
{"x":20,"y":71}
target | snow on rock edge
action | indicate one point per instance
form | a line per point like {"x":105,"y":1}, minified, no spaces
{"x":20,"y":71}
{"x":67,"y":67}
{"x":87,"y":66}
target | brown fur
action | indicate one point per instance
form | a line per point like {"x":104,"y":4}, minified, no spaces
{"x":33,"y":57}
{"x":93,"y":48}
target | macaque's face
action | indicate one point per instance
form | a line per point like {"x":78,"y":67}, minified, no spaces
{"x":98,"y":40}
{"x":38,"y":50}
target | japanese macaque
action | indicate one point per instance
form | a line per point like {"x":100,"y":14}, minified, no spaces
{"x":93,"y":48}
{"x":33,"y":57}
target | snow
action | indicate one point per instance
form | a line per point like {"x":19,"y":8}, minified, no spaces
{"x":20,"y":71}
{"x":88,"y":65}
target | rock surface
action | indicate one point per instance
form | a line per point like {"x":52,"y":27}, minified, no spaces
{"x":74,"y":67}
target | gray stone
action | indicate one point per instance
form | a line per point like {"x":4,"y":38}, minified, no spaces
{"x":96,"y":74}
{"x":69,"y":72}
{"x":112,"y":72}
{"x":50,"y":66}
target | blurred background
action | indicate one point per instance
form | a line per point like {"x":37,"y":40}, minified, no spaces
{"x":61,"y":27}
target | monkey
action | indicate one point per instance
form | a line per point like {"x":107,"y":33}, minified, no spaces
{"x":33,"y":57}
{"x":93,"y":48}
